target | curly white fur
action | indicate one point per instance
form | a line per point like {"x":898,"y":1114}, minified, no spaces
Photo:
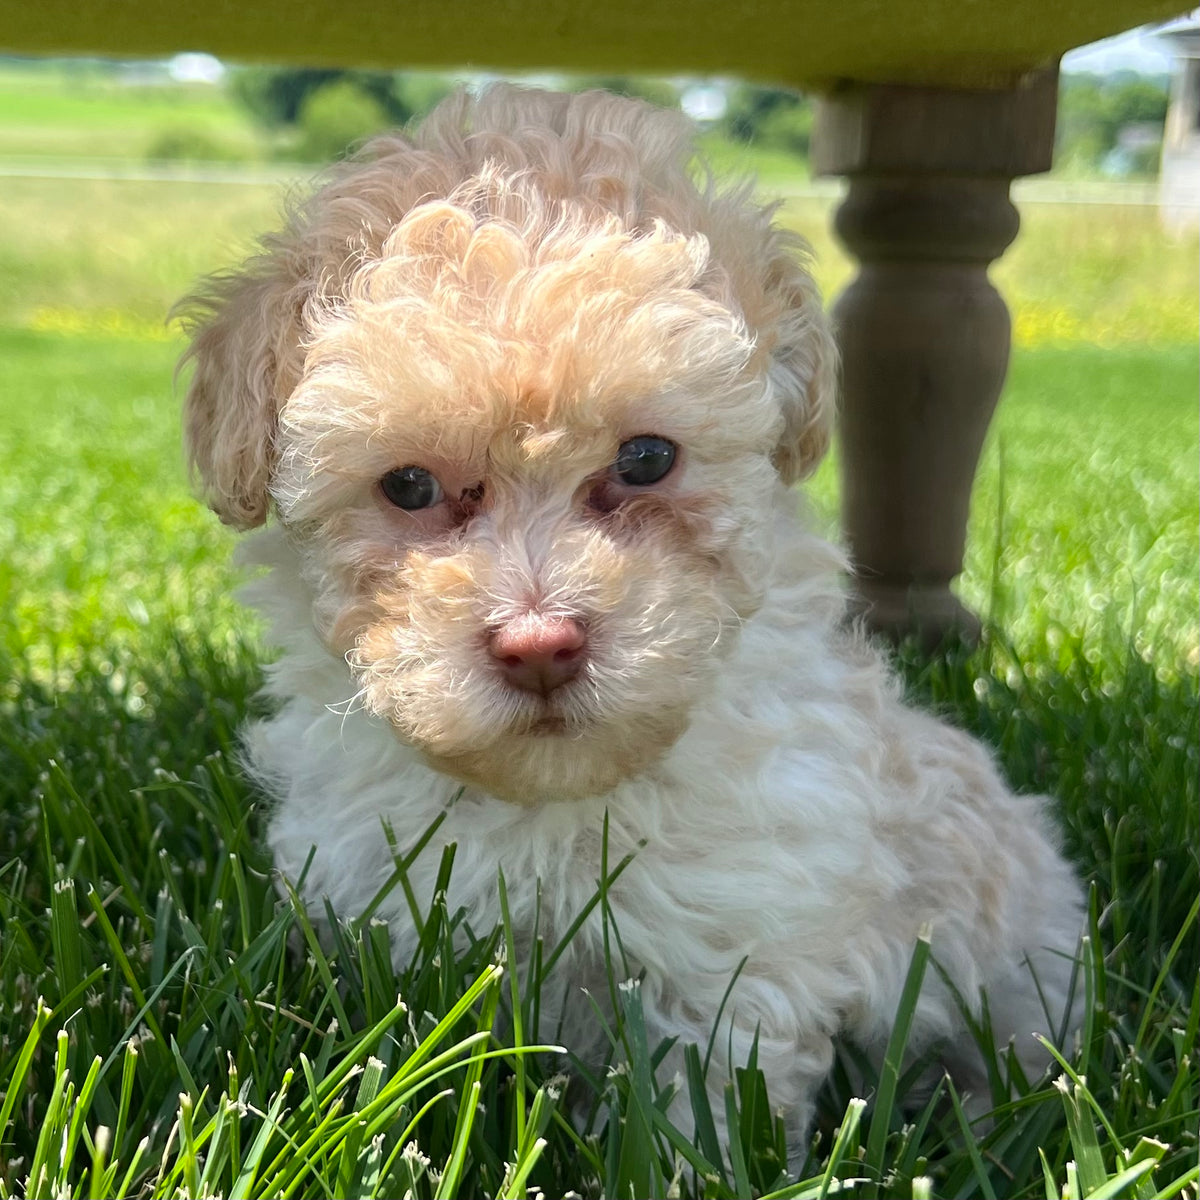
{"x":503,"y":299}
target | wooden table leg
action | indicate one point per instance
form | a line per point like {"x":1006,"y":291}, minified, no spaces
{"x":924,"y":336}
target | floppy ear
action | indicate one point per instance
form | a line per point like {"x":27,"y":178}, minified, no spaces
{"x":245,"y":330}
{"x":804,"y":361}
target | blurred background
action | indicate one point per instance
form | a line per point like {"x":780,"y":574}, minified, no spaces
{"x":123,"y":182}
{"x":193,"y":109}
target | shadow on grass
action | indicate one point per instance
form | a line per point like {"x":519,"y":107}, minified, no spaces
{"x":1112,"y":739}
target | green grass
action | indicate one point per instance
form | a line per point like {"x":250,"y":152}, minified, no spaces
{"x":122,"y":252}
{"x":1085,"y":511}
{"x":100,"y":539}
{"x":55,"y":112}
{"x":168,"y":1024}
{"x":112,"y":257}
{"x":136,"y":898}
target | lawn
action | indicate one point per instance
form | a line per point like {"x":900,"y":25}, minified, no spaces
{"x":168,"y":1026}
{"x":55,"y":112}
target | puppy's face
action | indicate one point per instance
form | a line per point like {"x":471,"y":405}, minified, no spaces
{"x":529,"y":470}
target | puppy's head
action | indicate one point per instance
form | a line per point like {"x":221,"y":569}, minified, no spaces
{"x":522,"y":395}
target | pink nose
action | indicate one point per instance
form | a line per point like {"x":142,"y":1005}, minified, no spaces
{"x":537,"y":653}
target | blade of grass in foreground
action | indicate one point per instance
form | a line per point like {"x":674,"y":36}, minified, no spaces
{"x":16,"y":1081}
{"x":893,"y":1058}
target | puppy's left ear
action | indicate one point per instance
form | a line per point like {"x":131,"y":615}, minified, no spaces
{"x":803,"y":368}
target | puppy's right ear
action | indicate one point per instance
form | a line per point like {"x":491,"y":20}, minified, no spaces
{"x":246,"y":332}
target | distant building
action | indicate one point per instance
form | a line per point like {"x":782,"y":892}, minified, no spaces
{"x":1179,"y":181}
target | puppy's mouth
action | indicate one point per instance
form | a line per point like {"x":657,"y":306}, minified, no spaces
{"x":547,"y":726}
{"x":550,"y":716}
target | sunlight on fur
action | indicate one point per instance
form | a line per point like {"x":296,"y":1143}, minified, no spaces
{"x":524,"y":399}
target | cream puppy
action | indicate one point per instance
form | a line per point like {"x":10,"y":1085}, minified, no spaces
{"x":525,"y":400}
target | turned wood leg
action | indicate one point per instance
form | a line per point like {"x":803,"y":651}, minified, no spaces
{"x":924,"y":336}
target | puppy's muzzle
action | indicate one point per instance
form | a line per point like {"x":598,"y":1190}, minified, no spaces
{"x":537,"y":653}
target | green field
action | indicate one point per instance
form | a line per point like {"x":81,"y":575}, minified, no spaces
{"x":137,"y":913}
{"x":59,"y":113}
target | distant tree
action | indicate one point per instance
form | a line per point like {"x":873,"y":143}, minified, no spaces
{"x":1081,"y":134}
{"x":657,"y":91}
{"x":1092,"y":110}
{"x":771,"y":117}
{"x":1138,"y":100}
{"x":275,"y":96}
{"x":336,"y":117}
{"x":419,"y":91}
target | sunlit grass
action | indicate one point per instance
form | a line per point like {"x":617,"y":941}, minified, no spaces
{"x":77,"y":113}
{"x":112,"y":256}
{"x":94,"y":251}
{"x":1097,"y":274}
{"x":1100,"y":274}
{"x":1085,"y":519}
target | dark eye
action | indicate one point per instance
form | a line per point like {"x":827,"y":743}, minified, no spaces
{"x":411,"y":488}
{"x":644,"y":460}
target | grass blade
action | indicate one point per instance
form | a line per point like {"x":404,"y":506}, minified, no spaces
{"x":893,"y":1058}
